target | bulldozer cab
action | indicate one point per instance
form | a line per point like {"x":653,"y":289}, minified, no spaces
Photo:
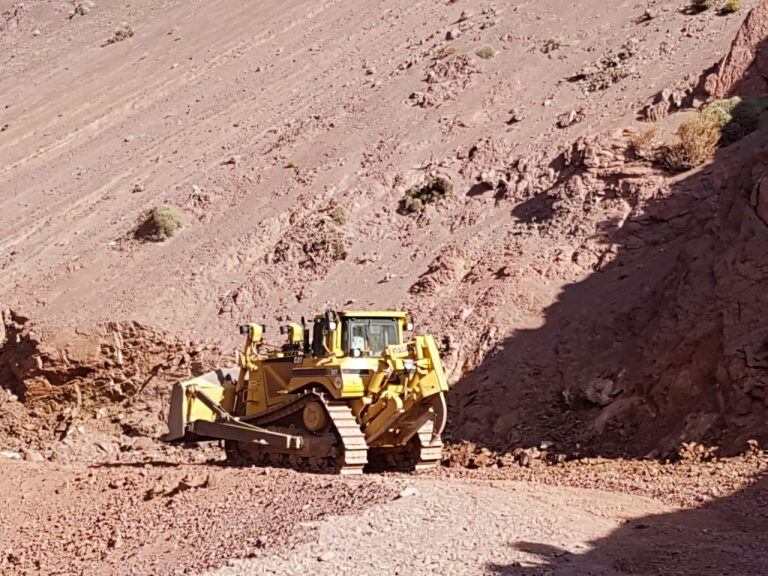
{"x":369,"y":336}
{"x":357,"y":334}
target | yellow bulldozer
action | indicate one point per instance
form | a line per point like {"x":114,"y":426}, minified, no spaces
{"x":346,"y":393}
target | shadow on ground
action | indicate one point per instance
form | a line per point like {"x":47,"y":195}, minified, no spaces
{"x":726,"y":537}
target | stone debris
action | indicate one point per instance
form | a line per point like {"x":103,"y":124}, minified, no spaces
{"x":100,"y":514}
{"x":567,"y":119}
{"x":609,"y":70}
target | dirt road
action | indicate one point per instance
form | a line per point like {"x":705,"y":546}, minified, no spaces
{"x":458,"y":527}
{"x":526,"y":529}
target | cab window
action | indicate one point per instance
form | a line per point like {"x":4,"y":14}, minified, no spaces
{"x":369,"y":336}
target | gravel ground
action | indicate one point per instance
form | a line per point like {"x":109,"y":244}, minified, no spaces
{"x":500,"y":527}
{"x":582,"y":517}
{"x":160,"y":519}
{"x":687,"y":482}
{"x":452,"y":527}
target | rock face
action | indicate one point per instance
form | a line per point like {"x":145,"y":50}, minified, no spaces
{"x":665,"y":341}
{"x":697,"y":350}
{"x":744,"y":70}
{"x":91,"y":365}
{"x":657,"y":334}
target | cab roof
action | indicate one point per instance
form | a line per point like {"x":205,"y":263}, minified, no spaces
{"x":370,"y":314}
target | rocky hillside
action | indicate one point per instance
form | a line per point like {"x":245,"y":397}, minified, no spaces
{"x":582,"y":293}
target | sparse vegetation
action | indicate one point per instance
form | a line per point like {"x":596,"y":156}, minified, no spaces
{"x":418,"y":197}
{"x":292,"y":165}
{"x":697,"y":142}
{"x":731,"y":7}
{"x":720,"y":112}
{"x":120,"y":34}
{"x":485,"y":52}
{"x":722,"y":122}
{"x":158,"y":224}
{"x":82,"y":8}
{"x":744,"y":118}
{"x":698,"y":6}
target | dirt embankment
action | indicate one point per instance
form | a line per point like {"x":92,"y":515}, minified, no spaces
{"x":91,"y":393}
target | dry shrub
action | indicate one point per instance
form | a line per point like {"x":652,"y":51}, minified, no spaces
{"x":485,"y":52}
{"x":158,"y":224}
{"x":119,"y":35}
{"x":697,"y":143}
{"x":731,"y":7}
{"x":699,"y":137}
{"x":698,"y":6}
{"x":722,"y":122}
{"x":419,"y":196}
{"x":641,"y":144}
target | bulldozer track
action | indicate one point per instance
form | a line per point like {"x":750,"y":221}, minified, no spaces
{"x":348,"y":455}
{"x":430,"y":452}
{"x":421,"y":453}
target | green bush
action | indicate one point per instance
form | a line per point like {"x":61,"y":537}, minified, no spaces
{"x":418,"y":197}
{"x":736,"y":117}
{"x":158,"y":224}
{"x":731,"y":7}
{"x":745,"y":118}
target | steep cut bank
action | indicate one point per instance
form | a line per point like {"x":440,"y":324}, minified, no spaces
{"x":665,"y":341}
{"x":92,"y":394}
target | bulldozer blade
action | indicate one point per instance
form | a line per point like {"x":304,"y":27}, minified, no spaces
{"x":441,"y":415}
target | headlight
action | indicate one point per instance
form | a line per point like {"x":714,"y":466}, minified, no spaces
{"x":338,"y":382}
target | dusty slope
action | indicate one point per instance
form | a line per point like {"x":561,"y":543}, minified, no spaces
{"x":255,"y":129}
{"x":201,"y":82}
